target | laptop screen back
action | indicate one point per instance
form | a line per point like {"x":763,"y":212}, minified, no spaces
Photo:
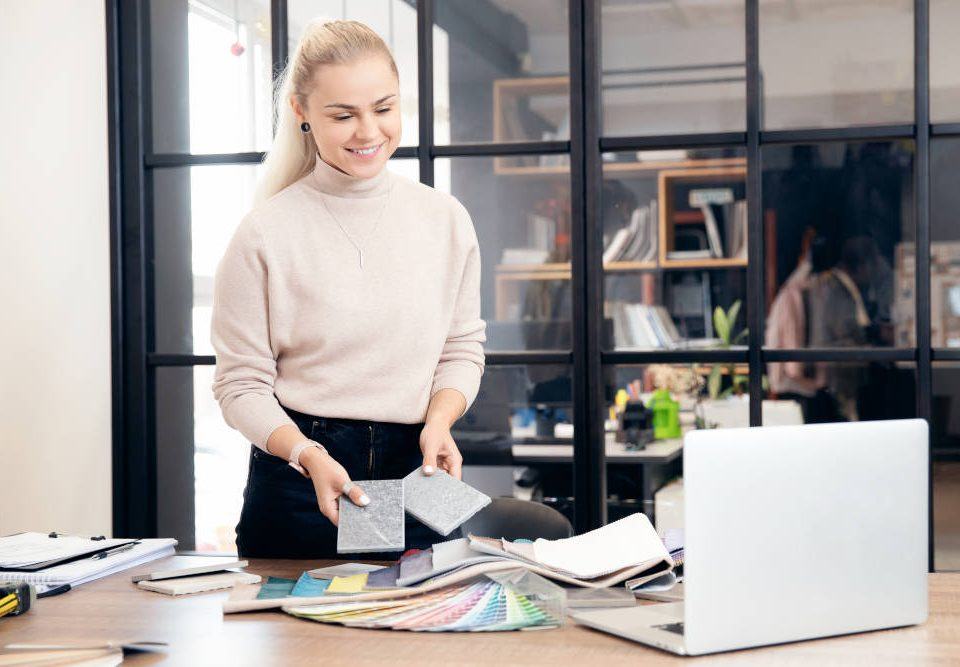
{"x":797,"y":532}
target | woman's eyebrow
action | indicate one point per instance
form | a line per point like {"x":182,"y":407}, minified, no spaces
{"x":350,"y":107}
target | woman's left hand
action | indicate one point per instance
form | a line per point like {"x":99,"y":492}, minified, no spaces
{"x":439,"y":449}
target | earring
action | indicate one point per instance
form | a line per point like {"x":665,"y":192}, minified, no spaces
{"x":304,"y":127}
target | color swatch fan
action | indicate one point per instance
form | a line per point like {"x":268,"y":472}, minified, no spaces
{"x":509,"y":600}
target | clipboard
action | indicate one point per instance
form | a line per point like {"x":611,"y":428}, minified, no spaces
{"x":21,"y":548}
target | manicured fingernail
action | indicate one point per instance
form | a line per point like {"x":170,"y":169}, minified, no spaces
{"x":364,"y":499}
{"x":428,"y":470}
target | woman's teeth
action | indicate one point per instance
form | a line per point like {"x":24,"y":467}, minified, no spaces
{"x":365,"y":151}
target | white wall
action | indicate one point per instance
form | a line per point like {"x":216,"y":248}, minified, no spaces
{"x":54,"y":268}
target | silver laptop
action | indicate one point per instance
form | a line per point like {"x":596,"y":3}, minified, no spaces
{"x":793,"y":533}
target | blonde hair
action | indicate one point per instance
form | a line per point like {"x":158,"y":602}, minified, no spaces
{"x":294,"y":153}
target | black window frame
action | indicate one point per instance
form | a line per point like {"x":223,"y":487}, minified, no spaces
{"x":132,"y":159}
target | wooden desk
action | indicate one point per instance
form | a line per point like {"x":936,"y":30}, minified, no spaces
{"x":199,"y":634}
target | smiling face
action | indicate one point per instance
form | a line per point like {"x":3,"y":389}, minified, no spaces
{"x":354,"y":115}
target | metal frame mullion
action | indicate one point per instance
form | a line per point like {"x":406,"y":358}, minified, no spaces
{"x":823,"y":135}
{"x":278,"y":37}
{"x":425,"y":13}
{"x":500,"y":148}
{"x":945,"y":129}
{"x":921,"y":193}
{"x":168,"y":160}
{"x":523,"y":357}
{"x":134,"y":462}
{"x":641,"y":142}
{"x":172,"y":160}
{"x":589,"y":473}
{"x":755,"y":237}
{"x":840,"y":354}
{"x":619,"y":357}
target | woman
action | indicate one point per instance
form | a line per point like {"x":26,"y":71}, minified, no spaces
{"x":346,"y":315}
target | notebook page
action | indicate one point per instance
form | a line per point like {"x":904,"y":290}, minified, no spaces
{"x":618,"y":545}
{"x":26,"y":549}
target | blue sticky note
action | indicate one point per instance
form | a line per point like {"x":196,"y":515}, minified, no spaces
{"x":307,"y":586}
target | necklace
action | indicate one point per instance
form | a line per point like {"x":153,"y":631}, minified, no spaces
{"x":376,"y":223}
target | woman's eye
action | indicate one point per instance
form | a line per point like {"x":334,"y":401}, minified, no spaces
{"x":383,"y":110}
{"x":341,"y":117}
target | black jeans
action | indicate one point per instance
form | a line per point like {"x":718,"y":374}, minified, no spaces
{"x":280,"y":516}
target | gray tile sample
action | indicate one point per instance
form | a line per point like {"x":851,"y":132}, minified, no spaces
{"x":376,"y":527}
{"x":440,"y":501}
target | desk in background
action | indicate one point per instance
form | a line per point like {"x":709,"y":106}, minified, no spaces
{"x":199,"y":634}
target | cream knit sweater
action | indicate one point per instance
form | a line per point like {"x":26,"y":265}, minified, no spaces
{"x":297,"y":322}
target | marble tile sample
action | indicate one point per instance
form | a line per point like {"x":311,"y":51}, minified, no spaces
{"x":379,"y":525}
{"x":440,"y":501}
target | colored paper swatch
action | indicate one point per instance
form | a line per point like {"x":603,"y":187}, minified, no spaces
{"x":276,"y":587}
{"x":308,"y":587}
{"x":351,"y":584}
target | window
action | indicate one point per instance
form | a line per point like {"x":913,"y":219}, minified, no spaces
{"x":653,"y":259}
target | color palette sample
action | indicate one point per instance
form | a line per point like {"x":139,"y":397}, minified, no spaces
{"x":483,"y":605}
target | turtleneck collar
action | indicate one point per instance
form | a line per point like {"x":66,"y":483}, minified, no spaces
{"x":334,"y":182}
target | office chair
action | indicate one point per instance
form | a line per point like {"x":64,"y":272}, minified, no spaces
{"x":511,"y":518}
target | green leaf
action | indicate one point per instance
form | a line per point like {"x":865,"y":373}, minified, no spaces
{"x":713,"y":382}
{"x":733,"y":312}
{"x":721,"y":324}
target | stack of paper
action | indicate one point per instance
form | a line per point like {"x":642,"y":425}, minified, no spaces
{"x":86,"y":569}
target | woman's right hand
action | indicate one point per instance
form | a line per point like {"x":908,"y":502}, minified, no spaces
{"x":328,"y":478}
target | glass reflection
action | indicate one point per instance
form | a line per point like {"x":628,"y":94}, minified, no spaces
{"x":845,"y":391}
{"x":523,"y":228}
{"x":673,"y":67}
{"x":833,"y":63}
{"x":501,"y":71}
{"x":945,"y":242}
{"x":517,"y":437}
{"x":839,"y":224}
{"x":675,"y":248}
{"x":205,"y":55}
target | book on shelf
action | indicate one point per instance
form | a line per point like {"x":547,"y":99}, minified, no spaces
{"x":524,"y":256}
{"x":703,"y":253}
{"x":642,"y":326}
{"x":735,"y":218}
{"x":637,"y":241}
{"x":541,"y":232}
{"x":713,"y":231}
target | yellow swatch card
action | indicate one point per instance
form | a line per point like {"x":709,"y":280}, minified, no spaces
{"x":352,"y":584}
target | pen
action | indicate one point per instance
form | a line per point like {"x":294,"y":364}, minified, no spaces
{"x":115,"y":550}
{"x":56,"y":590}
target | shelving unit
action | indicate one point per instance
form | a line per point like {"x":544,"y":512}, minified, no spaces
{"x":664,"y":176}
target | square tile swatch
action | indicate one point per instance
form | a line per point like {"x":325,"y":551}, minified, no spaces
{"x":440,"y":501}
{"x":379,"y":525}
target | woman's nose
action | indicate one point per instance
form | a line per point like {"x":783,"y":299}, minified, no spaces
{"x":367,"y":127}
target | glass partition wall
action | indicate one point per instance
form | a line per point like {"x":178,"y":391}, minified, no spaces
{"x":717,"y":203}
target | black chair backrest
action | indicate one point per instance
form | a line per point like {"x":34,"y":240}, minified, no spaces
{"x":511,"y":518}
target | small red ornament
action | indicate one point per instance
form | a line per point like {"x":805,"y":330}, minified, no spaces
{"x":237,"y":49}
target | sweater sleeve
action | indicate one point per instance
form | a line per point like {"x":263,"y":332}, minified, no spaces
{"x":240,"y":333}
{"x":462,"y":360}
